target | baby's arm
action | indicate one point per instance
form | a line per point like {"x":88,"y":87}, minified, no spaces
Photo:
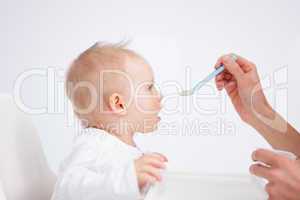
{"x":83,"y":182}
{"x":83,"y":179}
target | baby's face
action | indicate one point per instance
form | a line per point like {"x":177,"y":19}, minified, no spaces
{"x":146,"y":100}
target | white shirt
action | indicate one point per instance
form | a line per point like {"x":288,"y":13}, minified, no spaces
{"x":100,"y":167}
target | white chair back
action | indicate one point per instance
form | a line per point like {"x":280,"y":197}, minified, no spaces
{"x":24,"y":172}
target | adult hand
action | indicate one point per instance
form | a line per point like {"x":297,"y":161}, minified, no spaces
{"x":282,"y":173}
{"x":242,"y":83}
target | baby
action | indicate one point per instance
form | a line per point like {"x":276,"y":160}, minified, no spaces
{"x":112,"y":90}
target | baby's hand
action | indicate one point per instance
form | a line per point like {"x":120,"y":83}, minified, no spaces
{"x":148,"y":168}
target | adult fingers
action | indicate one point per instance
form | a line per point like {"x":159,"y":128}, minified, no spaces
{"x":230,"y":87}
{"x":266,"y":156}
{"x":232,"y":67}
{"x":245,"y":64}
{"x":271,"y":190}
{"x":220,"y":84}
{"x":261,"y":171}
{"x":219,"y":78}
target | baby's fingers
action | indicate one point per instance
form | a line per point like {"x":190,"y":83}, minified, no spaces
{"x":160,"y":156}
{"x":152,"y":171}
{"x":155,"y":163}
{"x":147,"y":178}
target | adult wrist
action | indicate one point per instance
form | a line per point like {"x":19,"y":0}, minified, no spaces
{"x":258,"y":116}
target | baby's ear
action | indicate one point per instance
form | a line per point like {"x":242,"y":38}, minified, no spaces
{"x":117,"y":104}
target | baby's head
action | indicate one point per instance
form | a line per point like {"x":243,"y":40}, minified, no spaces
{"x":112,"y":88}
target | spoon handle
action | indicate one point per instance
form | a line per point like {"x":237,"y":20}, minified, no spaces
{"x":209,"y":77}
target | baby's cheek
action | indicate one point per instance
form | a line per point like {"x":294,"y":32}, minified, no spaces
{"x":153,"y":105}
{"x":142,"y":104}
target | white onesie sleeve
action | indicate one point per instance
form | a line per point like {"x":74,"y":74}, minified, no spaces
{"x":85,"y":176}
{"x":81,"y":183}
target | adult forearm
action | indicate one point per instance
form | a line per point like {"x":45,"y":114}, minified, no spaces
{"x":276,"y":130}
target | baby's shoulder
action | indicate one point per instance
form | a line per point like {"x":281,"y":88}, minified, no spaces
{"x":87,"y":150}
{"x":91,"y":142}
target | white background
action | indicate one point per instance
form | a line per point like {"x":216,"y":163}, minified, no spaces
{"x":171,"y":35}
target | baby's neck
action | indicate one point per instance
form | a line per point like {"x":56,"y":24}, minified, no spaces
{"x":125,"y":136}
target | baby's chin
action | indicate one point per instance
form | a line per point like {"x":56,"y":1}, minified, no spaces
{"x":149,"y":124}
{"x":150,"y":128}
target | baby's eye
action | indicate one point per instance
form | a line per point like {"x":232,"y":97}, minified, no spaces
{"x":150,"y":87}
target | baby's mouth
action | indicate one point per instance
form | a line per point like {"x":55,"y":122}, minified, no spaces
{"x":158,"y":117}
